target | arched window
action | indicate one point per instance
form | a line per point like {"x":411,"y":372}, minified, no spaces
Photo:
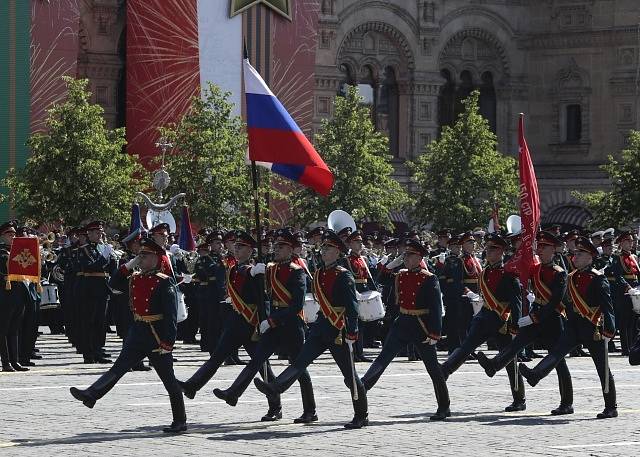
{"x":488,"y":100}
{"x":446,"y":99}
{"x":574,"y":123}
{"x":387,"y":109}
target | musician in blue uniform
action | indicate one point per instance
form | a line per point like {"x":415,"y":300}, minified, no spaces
{"x":591,"y":323}
{"x":337,"y":324}
{"x":153,"y":333}
{"x":419,"y":323}
{"x":283,"y":327}
{"x":498,"y":317}
{"x":545,"y":321}
{"x":241,"y":325}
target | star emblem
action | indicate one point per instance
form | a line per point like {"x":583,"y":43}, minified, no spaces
{"x":282,"y":7}
{"x":25,"y":259}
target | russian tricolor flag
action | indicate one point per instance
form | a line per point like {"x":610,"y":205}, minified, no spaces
{"x":275,"y":139}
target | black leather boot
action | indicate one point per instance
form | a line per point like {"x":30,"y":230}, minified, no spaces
{"x":179,"y":423}
{"x":610,"y":403}
{"x":360,"y":409}
{"x":308,"y":400}
{"x":17,"y":367}
{"x":280,"y":384}
{"x":273,"y":414}
{"x":486,"y":364}
{"x":372,"y":375}
{"x":566,"y":390}
{"x":519,"y":400}
{"x":96,"y":391}
{"x":197,"y":381}
{"x":442,"y":397}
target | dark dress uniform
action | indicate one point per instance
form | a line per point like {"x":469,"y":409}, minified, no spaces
{"x":357,"y":264}
{"x":548,"y":314}
{"x":335,"y":289}
{"x":12,"y":305}
{"x":153,"y":334}
{"x":286,"y":285}
{"x":420,"y":304}
{"x":590,"y":308}
{"x":497,"y":319}
{"x":239,"y":330}
{"x":68,"y":265}
{"x":92,"y":295}
{"x":210,"y":292}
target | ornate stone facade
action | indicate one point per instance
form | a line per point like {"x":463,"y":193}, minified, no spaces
{"x":570,"y":65}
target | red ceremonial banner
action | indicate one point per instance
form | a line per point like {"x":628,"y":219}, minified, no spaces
{"x":24,"y":261}
{"x":524,"y":258}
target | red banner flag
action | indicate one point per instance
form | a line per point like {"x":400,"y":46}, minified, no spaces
{"x":525,"y":258}
{"x":24,"y":261}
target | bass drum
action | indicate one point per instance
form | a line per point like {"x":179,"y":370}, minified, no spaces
{"x":311,"y":308}
{"x":49,"y":298}
{"x":370,"y":306}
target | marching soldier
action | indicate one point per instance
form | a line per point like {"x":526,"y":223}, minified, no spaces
{"x":497,"y":318}
{"x":419,"y":323}
{"x":95,"y":263}
{"x":604,"y":264}
{"x":591,"y":323}
{"x":337,"y":324}
{"x":452,"y":292}
{"x":153,"y":334}
{"x":626,"y":270}
{"x":241,"y":325}
{"x":283,"y":327}
{"x":545,"y":321}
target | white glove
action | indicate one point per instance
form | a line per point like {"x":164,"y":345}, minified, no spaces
{"x":131,"y":264}
{"x":227,"y":300}
{"x":472,"y":296}
{"x":606,"y":340}
{"x":384,"y":259}
{"x":350,"y":343}
{"x":187,"y":278}
{"x":442,"y":257}
{"x":264,"y":326}
{"x":174,"y":249}
{"x":531,"y":297}
{"x":107,"y":251}
{"x":430,"y":341}
{"x":395,"y":262}
{"x":524,"y":321}
{"x":258,"y":269}
{"x":358,"y":296}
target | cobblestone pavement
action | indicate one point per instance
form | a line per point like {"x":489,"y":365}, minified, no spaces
{"x":39,"y":417}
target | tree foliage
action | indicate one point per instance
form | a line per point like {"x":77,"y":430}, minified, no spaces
{"x":619,"y":206}
{"x":78,"y":169}
{"x":462,"y":175}
{"x":208,"y":162}
{"x":359,"y":159}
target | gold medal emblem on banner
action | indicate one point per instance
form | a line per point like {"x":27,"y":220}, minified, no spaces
{"x":282,"y":7}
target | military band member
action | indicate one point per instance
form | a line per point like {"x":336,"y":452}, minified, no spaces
{"x":419,"y":323}
{"x":626,"y":270}
{"x":284,"y":326}
{"x":545,"y":321}
{"x":153,"y":334}
{"x":95,"y":262}
{"x":497,"y":318}
{"x":337,"y":324}
{"x":591,"y":323}
{"x":241,"y":325}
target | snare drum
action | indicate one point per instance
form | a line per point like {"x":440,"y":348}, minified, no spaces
{"x":49,"y":298}
{"x":370,"y":306}
{"x":311,"y":308}
{"x":635,"y":301}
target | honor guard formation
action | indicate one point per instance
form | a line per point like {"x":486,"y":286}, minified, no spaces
{"x":335,"y":289}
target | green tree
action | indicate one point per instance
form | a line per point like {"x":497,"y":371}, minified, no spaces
{"x":208,"y":162}
{"x":461,"y":175}
{"x":78,"y":169}
{"x":359,"y":159}
{"x":620,"y":205}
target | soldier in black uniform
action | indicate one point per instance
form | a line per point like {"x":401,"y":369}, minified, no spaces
{"x":497,"y":318}
{"x":337,"y":324}
{"x":210,"y":290}
{"x":95,"y":261}
{"x":12,"y":304}
{"x":419,"y":323}
{"x":452,"y":291}
{"x":283,"y":327}
{"x":153,"y":334}
{"x":67,"y":264}
{"x":590,"y":308}
{"x":626,"y":269}
{"x":604,"y":263}
{"x":240,"y":328}
{"x":545,"y":321}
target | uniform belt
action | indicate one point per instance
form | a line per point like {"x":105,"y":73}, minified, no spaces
{"x":279,"y":304}
{"x":79,"y":273}
{"x":211,"y":278}
{"x":96,"y":275}
{"x":629,"y":276}
{"x":203,"y":283}
{"x":611,"y":278}
{"x":470,"y":281}
{"x":149,"y":318}
{"x":414,"y":312}
{"x":361,"y":281}
{"x":450,"y":280}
